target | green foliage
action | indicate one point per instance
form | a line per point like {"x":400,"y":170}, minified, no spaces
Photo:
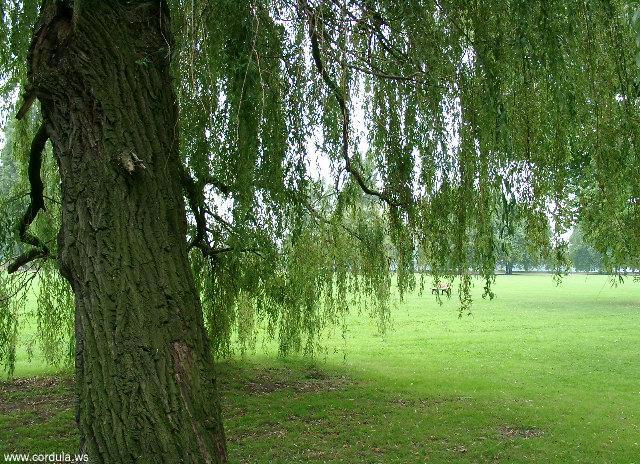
{"x":453,"y":106}
{"x":331,"y":264}
{"x":13,"y":197}
{"x":55,"y":317}
{"x":9,"y":302}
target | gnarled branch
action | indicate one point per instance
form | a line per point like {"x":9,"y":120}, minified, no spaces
{"x":40,"y":250}
{"x":195,"y":198}
{"x":29,"y":98}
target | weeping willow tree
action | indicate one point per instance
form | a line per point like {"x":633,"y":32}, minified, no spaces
{"x":168,"y":195}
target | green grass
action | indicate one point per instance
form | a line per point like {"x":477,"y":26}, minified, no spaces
{"x":540,"y":374}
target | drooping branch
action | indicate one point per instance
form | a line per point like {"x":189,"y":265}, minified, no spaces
{"x":220,"y":220}
{"x":339,"y":96}
{"x":36,"y":203}
{"x":23,"y":287}
{"x":456,"y":25}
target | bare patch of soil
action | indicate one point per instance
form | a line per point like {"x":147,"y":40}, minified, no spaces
{"x":35,"y":383}
{"x":43,"y":396}
{"x":425,"y":402}
{"x":314,"y":381}
{"x":515,"y":432}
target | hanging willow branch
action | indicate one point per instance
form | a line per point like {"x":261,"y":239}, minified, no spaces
{"x":40,"y":250}
{"x":338,"y":95}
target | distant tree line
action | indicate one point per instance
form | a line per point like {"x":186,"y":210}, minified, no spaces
{"x":517,"y":252}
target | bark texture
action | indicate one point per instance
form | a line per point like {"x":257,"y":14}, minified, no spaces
{"x":145,"y":377}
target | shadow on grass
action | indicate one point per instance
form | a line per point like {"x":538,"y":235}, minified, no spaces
{"x":290,"y":414}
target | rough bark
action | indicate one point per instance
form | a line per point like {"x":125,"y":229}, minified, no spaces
{"x":144,"y":370}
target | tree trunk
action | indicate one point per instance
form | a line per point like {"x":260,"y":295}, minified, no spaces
{"x":508,"y":268}
{"x":144,"y":371}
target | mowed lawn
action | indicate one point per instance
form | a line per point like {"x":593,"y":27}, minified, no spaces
{"x":542,"y":373}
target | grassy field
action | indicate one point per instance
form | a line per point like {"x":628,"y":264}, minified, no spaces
{"x":540,"y":374}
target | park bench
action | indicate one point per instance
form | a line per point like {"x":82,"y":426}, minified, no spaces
{"x":442,"y":287}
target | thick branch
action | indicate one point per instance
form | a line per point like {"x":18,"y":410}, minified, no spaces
{"x":222,"y":187}
{"x":29,"y":98}
{"x":26,"y":258}
{"x":196,"y":203}
{"x":212,"y":252}
{"x":40,"y":250}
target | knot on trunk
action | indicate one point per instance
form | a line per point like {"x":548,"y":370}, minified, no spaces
{"x":131,"y":163}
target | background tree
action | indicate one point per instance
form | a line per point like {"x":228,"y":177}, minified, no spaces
{"x":520,"y":243}
{"x":515,"y":252}
{"x":182,"y":134}
{"x":583,"y":257}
